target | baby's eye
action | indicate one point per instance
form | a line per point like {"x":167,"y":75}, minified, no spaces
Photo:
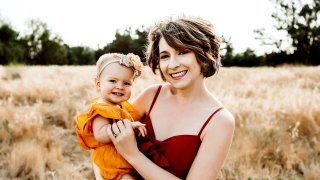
{"x":127,"y":84}
{"x":112,"y":81}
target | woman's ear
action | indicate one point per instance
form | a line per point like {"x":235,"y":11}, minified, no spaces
{"x":96,"y":83}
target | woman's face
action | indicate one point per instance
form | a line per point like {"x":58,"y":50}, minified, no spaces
{"x":179,"y":67}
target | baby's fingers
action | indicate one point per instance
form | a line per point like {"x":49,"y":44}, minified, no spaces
{"x":142,"y":131}
{"x":137,"y":124}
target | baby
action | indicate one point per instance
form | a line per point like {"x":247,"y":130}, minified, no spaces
{"x":115,"y":75}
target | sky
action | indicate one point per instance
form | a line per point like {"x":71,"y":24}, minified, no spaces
{"x":94,"y":23}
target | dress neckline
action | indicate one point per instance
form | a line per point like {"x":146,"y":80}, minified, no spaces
{"x":178,"y":135}
{"x":169,"y":138}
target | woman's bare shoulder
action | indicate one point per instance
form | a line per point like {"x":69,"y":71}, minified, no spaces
{"x":143,"y":101}
{"x":150,"y":90}
{"x":222,"y":122}
{"x":226,"y":116}
{"x":223,"y":115}
{"x":225,"y":119}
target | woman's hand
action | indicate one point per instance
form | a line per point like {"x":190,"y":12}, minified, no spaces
{"x":122,"y":136}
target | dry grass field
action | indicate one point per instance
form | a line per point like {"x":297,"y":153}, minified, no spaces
{"x":277,"y":113}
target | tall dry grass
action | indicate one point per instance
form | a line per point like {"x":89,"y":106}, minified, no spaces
{"x":277,"y":113}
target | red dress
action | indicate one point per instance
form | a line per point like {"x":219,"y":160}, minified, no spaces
{"x":175,"y":154}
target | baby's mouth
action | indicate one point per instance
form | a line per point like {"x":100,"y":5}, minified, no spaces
{"x":118,"y":93}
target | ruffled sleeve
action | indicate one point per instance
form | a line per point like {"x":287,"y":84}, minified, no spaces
{"x":84,"y":131}
{"x":131,"y":110}
{"x":85,"y":122}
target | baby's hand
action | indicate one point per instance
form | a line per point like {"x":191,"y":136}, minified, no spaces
{"x":141,"y":127}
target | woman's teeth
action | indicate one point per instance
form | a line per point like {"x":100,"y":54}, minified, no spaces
{"x":179,"y":74}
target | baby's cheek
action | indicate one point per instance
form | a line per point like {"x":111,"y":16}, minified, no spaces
{"x":129,"y":93}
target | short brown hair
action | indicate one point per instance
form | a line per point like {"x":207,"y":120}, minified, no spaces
{"x":193,"y":33}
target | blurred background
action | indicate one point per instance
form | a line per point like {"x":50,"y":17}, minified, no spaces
{"x":255,"y":33}
{"x":269,"y":80}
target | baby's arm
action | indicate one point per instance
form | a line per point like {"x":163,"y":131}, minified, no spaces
{"x":100,"y":129}
{"x":141,"y":127}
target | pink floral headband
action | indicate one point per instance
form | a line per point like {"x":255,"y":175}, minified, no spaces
{"x":131,"y":61}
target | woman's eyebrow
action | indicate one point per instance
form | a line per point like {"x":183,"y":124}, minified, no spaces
{"x":163,"y":52}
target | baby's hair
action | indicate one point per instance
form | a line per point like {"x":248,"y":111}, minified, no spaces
{"x":130,"y":60}
{"x":104,"y":59}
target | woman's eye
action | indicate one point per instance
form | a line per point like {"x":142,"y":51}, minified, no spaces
{"x":184,"y":52}
{"x":163,"y":57}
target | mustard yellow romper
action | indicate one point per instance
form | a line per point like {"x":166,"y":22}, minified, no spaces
{"x":111,"y":164}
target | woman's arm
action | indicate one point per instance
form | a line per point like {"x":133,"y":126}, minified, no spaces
{"x":143,"y":101}
{"x":216,"y":141}
{"x":126,"y":145}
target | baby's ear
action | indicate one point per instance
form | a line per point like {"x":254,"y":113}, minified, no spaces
{"x":96,"y":83}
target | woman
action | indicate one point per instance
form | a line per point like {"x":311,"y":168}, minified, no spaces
{"x":189,"y":130}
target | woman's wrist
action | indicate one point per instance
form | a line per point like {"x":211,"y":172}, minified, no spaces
{"x":134,"y":157}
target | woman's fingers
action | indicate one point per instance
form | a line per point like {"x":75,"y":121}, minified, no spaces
{"x":123,"y":127}
{"x":125,"y":142}
{"x":127,"y":125}
{"x":110,"y":133}
{"x":115,"y":129}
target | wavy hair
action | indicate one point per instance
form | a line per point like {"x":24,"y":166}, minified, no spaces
{"x":193,"y":33}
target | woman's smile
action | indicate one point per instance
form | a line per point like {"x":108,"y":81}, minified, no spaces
{"x":178,"y":75}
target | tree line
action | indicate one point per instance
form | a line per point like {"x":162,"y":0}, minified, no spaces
{"x":40,"y":47}
{"x":299,"y":21}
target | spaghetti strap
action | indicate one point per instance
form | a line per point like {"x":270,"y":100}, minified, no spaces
{"x":155,"y":98}
{"x":208,"y":120}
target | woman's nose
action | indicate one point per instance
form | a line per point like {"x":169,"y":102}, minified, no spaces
{"x":173,"y":62}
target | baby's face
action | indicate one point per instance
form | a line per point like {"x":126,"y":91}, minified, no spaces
{"x":115,"y":84}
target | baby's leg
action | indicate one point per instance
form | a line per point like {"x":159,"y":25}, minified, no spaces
{"x":127,"y":177}
{"x":96,"y":171}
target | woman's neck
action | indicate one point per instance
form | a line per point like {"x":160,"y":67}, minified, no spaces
{"x":191,"y":94}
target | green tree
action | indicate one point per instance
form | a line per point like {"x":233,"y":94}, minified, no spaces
{"x":42,"y":48}
{"x":52,"y":52}
{"x":81,"y":55}
{"x":11,"y":50}
{"x":140,"y":42}
{"x":247,"y":59}
{"x":300,"y":21}
{"x":122,"y":43}
{"x":125,"y":43}
{"x":227,"y":57}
